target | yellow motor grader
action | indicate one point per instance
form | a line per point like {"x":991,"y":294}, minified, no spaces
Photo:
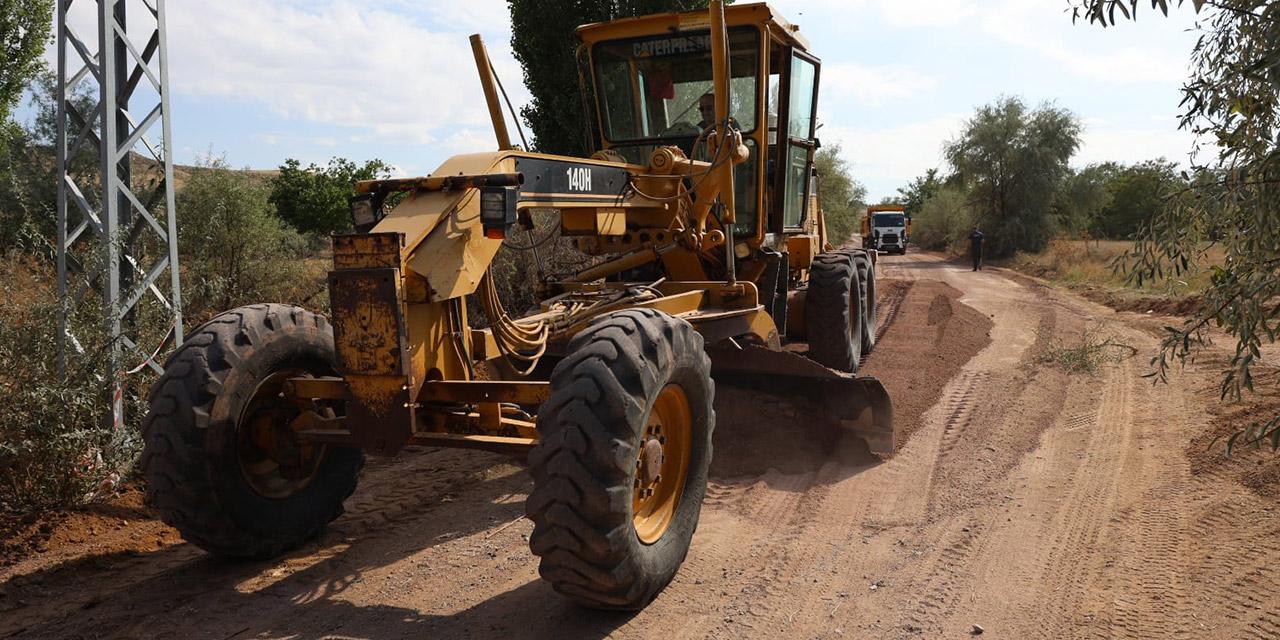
{"x":713,"y":283}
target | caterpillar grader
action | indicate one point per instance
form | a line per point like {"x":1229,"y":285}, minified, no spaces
{"x":713,"y":283}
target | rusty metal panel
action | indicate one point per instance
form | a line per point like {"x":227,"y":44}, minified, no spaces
{"x":368,"y":322}
{"x":373,"y":355}
{"x":381,"y":416}
{"x":367,"y":250}
{"x":455,"y":255}
{"x":803,"y":250}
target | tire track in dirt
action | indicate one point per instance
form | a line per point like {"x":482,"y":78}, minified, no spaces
{"x":738,"y":548}
{"x":960,"y":408}
{"x":1237,"y":574}
{"x":1080,"y":523}
{"x":1036,"y":504}
{"x":892,"y":303}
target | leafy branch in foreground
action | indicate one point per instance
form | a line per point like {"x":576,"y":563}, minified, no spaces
{"x":1232,"y":102}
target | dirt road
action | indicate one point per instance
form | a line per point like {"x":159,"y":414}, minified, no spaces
{"x":1033,"y":503}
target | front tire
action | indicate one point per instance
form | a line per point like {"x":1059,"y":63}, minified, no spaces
{"x":620,"y":469}
{"x":221,"y":463}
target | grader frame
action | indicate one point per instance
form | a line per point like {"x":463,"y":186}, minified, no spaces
{"x":712,"y":261}
{"x":397,"y":292}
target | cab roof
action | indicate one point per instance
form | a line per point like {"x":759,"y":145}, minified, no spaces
{"x":759,"y":14}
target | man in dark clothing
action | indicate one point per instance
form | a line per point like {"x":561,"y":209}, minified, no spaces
{"x":975,"y":247}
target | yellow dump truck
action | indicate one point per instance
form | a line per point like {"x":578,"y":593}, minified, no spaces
{"x":886,"y":228}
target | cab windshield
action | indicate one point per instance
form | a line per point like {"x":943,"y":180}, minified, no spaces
{"x":890,"y":219}
{"x":651,"y":87}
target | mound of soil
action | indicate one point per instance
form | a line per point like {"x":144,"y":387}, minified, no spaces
{"x":1122,"y":299}
{"x":1257,"y":468}
{"x":932,"y":338}
{"x":927,"y":341}
{"x":122,"y":524}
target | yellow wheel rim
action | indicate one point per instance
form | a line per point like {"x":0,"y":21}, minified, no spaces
{"x":272,"y":460}
{"x":661,"y":464}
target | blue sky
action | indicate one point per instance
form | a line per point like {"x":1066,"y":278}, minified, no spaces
{"x":258,"y":81}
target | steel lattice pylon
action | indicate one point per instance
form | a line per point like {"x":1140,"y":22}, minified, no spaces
{"x":115,"y":243}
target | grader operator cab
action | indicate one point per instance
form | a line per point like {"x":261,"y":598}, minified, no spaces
{"x":713,"y":272}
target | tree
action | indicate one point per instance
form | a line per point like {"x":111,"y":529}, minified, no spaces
{"x":235,"y":251}
{"x":24,"y":30}
{"x":843,"y":198}
{"x":1013,"y":159}
{"x":543,"y":40}
{"x":314,"y":199}
{"x":28,"y":180}
{"x":1232,"y":98}
{"x":1135,"y":194}
{"x":944,"y":220}
{"x":918,"y":191}
{"x":1079,"y":203}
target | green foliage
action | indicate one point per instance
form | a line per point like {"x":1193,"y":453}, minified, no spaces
{"x":314,"y":199}
{"x":1136,"y":194}
{"x":918,"y":191}
{"x":55,"y":449}
{"x":842,"y":198}
{"x":24,"y":30}
{"x":28,"y":184}
{"x":1013,"y":159}
{"x":1081,"y":199}
{"x":1232,"y":98}
{"x":944,"y":221}
{"x":24,"y":209}
{"x":235,"y":251}
{"x":544,"y":43}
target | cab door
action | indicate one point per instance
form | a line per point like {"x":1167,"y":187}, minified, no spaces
{"x":796,"y":141}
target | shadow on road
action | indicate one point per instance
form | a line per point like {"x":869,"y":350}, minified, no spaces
{"x":180,"y":591}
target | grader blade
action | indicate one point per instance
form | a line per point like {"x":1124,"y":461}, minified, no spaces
{"x":788,"y":393}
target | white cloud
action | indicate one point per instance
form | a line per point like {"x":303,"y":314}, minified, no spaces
{"x":1128,"y":144}
{"x":872,"y":86}
{"x":370,"y":67}
{"x":1124,"y":55}
{"x":339,"y":63}
{"x":885,"y":159}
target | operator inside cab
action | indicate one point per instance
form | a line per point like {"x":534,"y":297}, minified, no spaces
{"x":656,"y":91}
{"x":683,"y":129}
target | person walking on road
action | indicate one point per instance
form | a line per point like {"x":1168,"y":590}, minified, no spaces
{"x":975,"y":247}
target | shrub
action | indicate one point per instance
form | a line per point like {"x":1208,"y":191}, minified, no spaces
{"x":314,"y":199}
{"x":944,"y":221}
{"x":1086,"y":354}
{"x":57,"y":446}
{"x":235,"y":251}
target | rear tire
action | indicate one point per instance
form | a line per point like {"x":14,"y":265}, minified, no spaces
{"x":205,"y":470}
{"x":867,"y":293}
{"x":833,"y":312}
{"x":600,"y":541}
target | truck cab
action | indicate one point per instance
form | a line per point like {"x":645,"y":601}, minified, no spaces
{"x":886,"y":228}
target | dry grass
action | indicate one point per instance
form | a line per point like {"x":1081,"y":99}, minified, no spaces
{"x":1087,"y":267}
{"x":1091,"y":262}
{"x":1084,"y":354}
